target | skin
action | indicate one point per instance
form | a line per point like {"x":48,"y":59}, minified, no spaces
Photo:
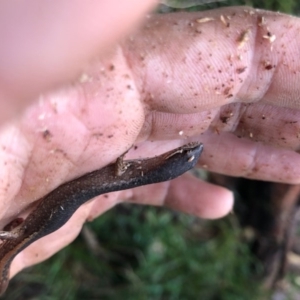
{"x":152,"y":90}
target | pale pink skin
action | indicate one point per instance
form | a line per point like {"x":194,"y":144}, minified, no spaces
{"x":173,"y":81}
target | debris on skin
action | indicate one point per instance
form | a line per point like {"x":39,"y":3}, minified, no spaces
{"x":84,"y":78}
{"x":204,"y":20}
{"x":244,"y":37}
{"x":241,"y":70}
{"x":47,"y":135}
{"x":269,"y":36}
{"x":227,"y":90}
{"x":268,"y":65}
{"x":224,"y":21}
{"x":226,"y":117}
{"x":261,"y":21}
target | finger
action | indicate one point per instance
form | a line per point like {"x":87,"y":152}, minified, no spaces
{"x":237,"y":55}
{"x":227,"y":154}
{"x":273,"y":125}
{"x":170,"y":126}
{"x":47,"y":43}
{"x":193,"y":196}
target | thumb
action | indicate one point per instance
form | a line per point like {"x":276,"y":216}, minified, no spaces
{"x":194,"y":196}
{"x":48,"y":43}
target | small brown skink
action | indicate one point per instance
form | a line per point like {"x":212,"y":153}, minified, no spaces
{"x":56,"y":208}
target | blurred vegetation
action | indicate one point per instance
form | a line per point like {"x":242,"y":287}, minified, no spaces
{"x":286,"y":6}
{"x":152,"y":253}
{"x":147,"y":253}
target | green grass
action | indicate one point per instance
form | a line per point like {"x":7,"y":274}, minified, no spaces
{"x":147,"y":253}
{"x":286,"y":6}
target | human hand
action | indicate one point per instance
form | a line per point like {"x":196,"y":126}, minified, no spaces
{"x":157,"y":91}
